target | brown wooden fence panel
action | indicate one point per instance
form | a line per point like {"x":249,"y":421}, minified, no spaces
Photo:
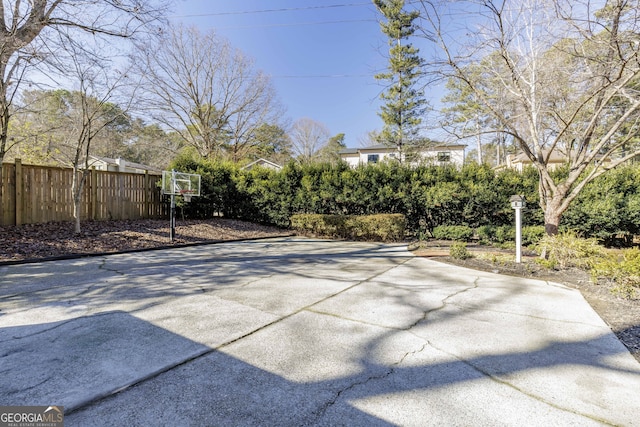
{"x":43,"y":194}
{"x":7,"y":194}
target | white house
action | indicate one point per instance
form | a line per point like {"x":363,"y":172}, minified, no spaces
{"x":442,"y":154}
{"x":263,"y":163}
{"x":120,"y":165}
{"x":520,"y":161}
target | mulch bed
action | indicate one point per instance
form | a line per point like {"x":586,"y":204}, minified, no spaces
{"x":41,"y":241}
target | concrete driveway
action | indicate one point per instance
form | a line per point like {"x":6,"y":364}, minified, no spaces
{"x":297,"y":332}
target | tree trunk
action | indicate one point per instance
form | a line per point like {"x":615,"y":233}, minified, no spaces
{"x":552,"y":216}
{"x":553,"y":198}
{"x":551,"y":221}
{"x":76,"y":214}
{"x":77,"y":185}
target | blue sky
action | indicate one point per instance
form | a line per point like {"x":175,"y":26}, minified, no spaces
{"x":321,"y":54}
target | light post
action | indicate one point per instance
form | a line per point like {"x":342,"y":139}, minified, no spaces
{"x":517,"y":203}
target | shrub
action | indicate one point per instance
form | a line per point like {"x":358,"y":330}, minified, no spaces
{"x":458,"y":250}
{"x":623,"y":270}
{"x":453,"y":232}
{"x":383,"y":227}
{"x":323,"y":225}
{"x":567,"y":250}
{"x":486,"y":233}
{"x":505,"y":233}
{"x":532,"y":234}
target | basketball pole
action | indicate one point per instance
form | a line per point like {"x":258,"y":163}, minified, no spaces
{"x":172,"y":219}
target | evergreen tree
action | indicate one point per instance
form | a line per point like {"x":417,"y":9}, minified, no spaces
{"x":331,"y":152}
{"x":404,"y":102}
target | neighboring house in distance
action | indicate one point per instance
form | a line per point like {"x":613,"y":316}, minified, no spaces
{"x":443,"y":154}
{"x":262,"y":163}
{"x":520,"y":161}
{"x":120,"y":165}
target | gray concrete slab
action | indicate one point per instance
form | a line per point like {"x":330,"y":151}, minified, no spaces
{"x":305,"y":332}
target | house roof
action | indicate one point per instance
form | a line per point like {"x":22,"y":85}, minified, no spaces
{"x":556,"y":157}
{"x":349,"y":151}
{"x":388,"y":148}
{"x":262,"y":162}
{"x":127,"y":164}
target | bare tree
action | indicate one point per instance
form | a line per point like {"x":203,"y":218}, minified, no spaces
{"x":24,"y":43}
{"x":209,"y":93}
{"x":308,"y":137}
{"x":558,"y":76}
{"x":99,"y":101}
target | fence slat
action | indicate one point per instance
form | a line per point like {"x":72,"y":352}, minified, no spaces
{"x":33,"y":194}
{"x":18,"y":192}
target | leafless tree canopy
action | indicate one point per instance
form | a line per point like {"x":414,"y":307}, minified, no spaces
{"x":206,"y":91}
{"x":308,"y":137}
{"x":30,"y":36}
{"x":559,"y":76}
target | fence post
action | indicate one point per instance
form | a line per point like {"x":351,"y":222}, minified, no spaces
{"x":146,"y":196}
{"x":93,"y":194}
{"x":19,"y":186}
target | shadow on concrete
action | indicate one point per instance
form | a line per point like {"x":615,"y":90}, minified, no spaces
{"x":113,"y":367}
{"x":174,"y":272}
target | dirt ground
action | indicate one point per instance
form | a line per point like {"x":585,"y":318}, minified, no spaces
{"x":54,"y":240}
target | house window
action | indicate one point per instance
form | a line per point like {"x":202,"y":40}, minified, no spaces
{"x":373,"y":158}
{"x":444,"y":156}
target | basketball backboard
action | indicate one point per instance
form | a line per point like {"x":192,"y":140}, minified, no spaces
{"x":180,"y":184}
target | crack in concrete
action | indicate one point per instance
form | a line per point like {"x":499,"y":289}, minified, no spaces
{"x":350,"y":319}
{"x":558,"y":285}
{"x":55,"y":326}
{"x":322,"y":411}
{"x":445,"y":302}
{"x":42,"y":290}
{"x":506,"y":383}
{"x":527,"y":316}
{"x":78,"y":290}
{"x":22,"y":390}
{"x":490,"y":375}
{"x":103,"y":266}
{"x":211,"y":350}
{"x":393,"y":367}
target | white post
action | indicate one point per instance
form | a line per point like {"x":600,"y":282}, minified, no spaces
{"x":517,"y":203}
{"x":518,"y":236}
{"x":172,"y":214}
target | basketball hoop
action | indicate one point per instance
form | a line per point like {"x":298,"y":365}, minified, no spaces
{"x":186,"y":195}
{"x":182,"y":184}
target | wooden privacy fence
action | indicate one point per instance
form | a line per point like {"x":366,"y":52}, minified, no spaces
{"x":36,"y":194}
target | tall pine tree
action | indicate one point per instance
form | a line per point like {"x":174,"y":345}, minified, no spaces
{"x":404,"y":102}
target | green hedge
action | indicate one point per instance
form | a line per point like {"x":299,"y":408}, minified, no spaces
{"x":507,"y":233}
{"x":461,"y":233}
{"x":428,"y":196}
{"x":608,"y":208}
{"x":385,"y":228}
